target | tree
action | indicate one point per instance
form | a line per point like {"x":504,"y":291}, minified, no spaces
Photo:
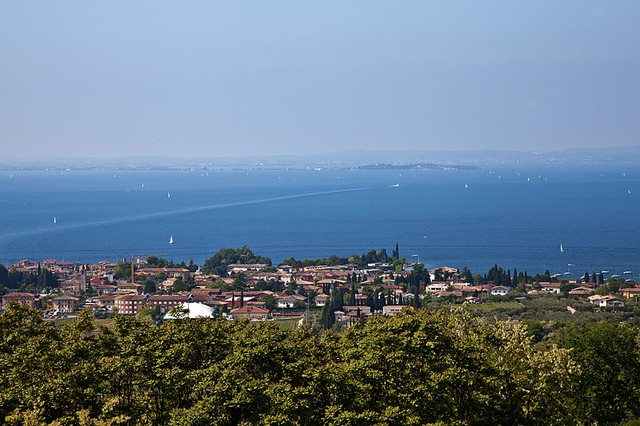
{"x":327,"y":316}
{"x":609,"y":383}
{"x":270,"y":301}
{"x":217,"y":264}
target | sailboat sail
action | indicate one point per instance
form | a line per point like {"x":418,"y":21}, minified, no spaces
{"x":171,"y":239}
{"x":561,"y":248}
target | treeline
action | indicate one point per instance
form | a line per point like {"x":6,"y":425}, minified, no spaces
{"x":420,"y":367}
{"x":217,"y":264}
{"x":372,"y":256}
{"x":13,"y":278}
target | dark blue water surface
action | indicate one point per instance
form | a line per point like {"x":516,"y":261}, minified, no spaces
{"x":511,"y":216}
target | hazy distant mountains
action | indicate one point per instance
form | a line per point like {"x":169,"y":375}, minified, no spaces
{"x":346,"y":159}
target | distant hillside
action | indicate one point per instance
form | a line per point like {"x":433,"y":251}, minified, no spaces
{"x":341,"y":160}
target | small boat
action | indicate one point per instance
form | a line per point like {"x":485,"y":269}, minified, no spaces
{"x":466,"y":186}
{"x":628,"y":191}
{"x":171,"y":239}
{"x":395,"y":186}
{"x":604,"y":272}
{"x":55,"y":220}
{"x":168,"y":195}
{"x":627,"y":272}
{"x":561,"y":249}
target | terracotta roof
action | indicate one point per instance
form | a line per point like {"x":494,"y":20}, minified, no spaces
{"x":247,"y":309}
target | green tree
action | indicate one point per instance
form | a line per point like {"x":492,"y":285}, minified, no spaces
{"x":122,"y":271}
{"x":217,"y":264}
{"x":609,"y":383}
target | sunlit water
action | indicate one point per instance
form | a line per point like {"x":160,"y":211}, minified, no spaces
{"x":514,"y":217}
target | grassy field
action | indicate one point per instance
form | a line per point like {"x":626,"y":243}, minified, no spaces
{"x":287,"y":323}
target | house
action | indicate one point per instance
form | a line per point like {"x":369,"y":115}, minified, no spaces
{"x":130,"y":288}
{"x":500,"y":290}
{"x":106,"y":301}
{"x":629,"y":292}
{"x":104,"y":288}
{"x":392,"y":309}
{"x":75,"y":285}
{"x":25,"y":299}
{"x":550,"y":287}
{"x":252,"y":312}
{"x":357,"y":310}
{"x":438,"y":286}
{"x":286,"y":302}
{"x":606,"y":301}
{"x":244,"y":267}
{"x":237,"y":301}
{"x":63,"y":304}
{"x":321,"y":300}
{"x":581,"y":292}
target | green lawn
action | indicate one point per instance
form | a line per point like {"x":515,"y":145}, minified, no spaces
{"x":287,"y":323}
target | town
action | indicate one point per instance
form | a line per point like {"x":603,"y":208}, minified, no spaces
{"x":345,"y":291}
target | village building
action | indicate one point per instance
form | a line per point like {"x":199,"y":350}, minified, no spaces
{"x":252,"y":312}
{"x":500,"y":290}
{"x":630,"y":292}
{"x":63,"y":304}
{"x":392,"y":309}
{"x":166,"y":302}
{"x":25,"y":299}
{"x":550,"y":287}
{"x":129,"y":304}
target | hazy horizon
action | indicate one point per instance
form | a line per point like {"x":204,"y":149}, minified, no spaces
{"x":247,"y":79}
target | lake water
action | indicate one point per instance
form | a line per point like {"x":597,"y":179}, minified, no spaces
{"x":511,"y":216}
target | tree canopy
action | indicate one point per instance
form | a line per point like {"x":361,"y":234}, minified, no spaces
{"x":217,"y":264}
{"x":419,"y":367}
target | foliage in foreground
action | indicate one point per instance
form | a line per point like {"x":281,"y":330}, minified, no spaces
{"x":419,"y":367}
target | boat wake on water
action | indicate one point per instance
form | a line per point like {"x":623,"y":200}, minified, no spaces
{"x":180,"y":212}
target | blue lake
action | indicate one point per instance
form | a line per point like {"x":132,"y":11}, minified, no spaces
{"x":511,"y":216}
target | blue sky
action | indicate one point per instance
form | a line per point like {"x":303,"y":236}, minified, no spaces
{"x":247,"y":78}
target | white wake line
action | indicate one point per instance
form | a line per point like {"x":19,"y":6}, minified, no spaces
{"x":150,"y":216}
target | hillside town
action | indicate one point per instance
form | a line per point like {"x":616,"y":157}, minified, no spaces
{"x":259,"y":291}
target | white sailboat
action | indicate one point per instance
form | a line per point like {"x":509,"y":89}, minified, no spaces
{"x":466,"y":186}
{"x":171,"y":239}
{"x":561,"y":249}
{"x":168,"y":195}
{"x":55,"y":220}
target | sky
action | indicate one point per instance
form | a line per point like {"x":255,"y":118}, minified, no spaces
{"x":251,"y":78}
